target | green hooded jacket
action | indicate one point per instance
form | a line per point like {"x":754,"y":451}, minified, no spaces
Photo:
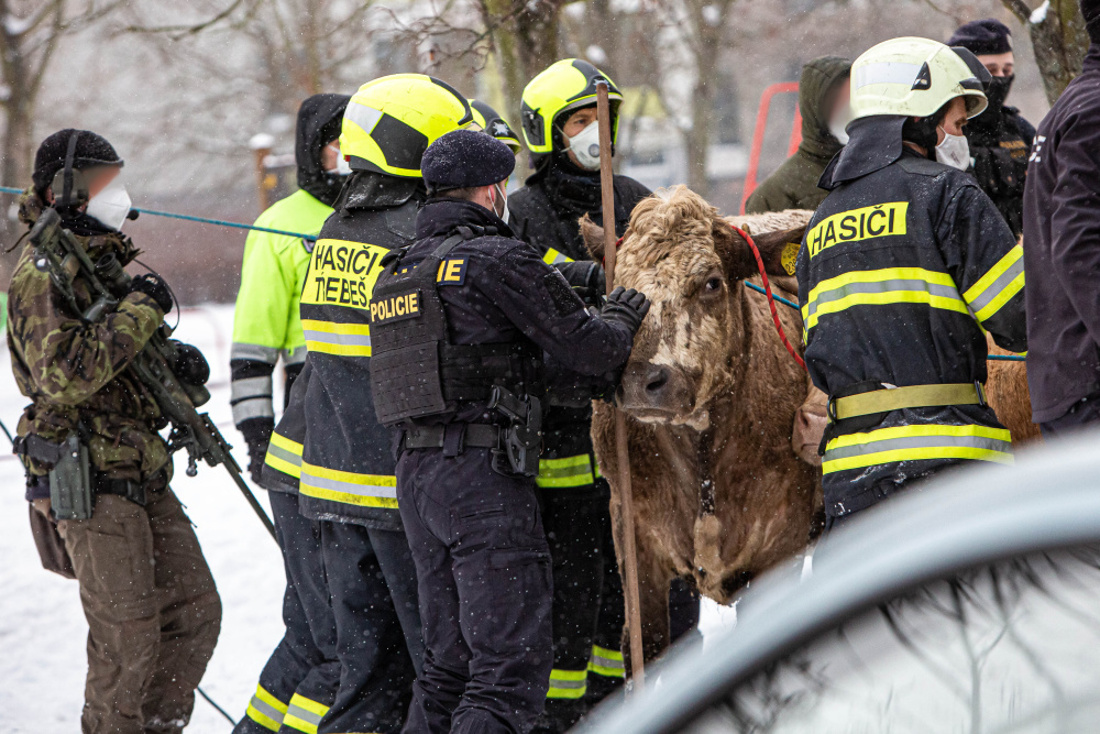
{"x":794,"y":183}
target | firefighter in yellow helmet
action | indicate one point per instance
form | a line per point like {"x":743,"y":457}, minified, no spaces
{"x":329,"y":436}
{"x":560,"y":130}
{"x":490,"y":121}
{"x":902,"y":267}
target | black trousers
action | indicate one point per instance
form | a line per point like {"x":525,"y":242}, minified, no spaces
{"x":299,"y":682}
{"x":484,"y":571}
{"x":371,"y":580}
{"x":588,"y":610}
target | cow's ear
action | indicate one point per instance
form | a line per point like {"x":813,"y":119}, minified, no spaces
{"x":592,"y":234}
{"x":778,"y":250}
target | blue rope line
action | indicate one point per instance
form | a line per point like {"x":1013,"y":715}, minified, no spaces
{"x":313,"y":238}
{"x":203,"y":220}
{"x":781,"y":299}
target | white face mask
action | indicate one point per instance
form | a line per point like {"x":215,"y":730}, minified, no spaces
{"x":836,"y":128}
{"x":498,"y":195}
{"x":343,"y":168}
{"x":586,"y":147}
{"x":110,"y":206}
{"x":954,"y":151}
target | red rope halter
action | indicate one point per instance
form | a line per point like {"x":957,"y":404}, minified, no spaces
{"x":768,"y":291}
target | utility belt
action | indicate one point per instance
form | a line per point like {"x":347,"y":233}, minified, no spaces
{"x":867,"y":403}
{"x":889,"y":399}
{"x":73,"y":482}
{"x":515,"y":447}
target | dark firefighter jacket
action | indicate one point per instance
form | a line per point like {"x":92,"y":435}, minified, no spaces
{"x":902,"y":266}
{"x":1062,"y":249}
{"x":496,"y":289}
{"x":266,"y":325}
{"x":75,"y":374}
{"x":347,"y":470}
{"x":545,"y":214}
{"x":794,"y":185}
{"x":1000,"y":143}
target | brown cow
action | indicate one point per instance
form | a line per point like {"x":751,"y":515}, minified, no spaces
{"x":711,"y":394}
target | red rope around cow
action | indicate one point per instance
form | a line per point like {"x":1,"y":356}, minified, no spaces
{"x":768,"y":292}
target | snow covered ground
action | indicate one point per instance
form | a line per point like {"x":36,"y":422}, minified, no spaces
{"x":42,"y":628}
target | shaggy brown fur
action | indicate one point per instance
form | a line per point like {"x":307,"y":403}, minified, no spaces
{"x":711,"y":395}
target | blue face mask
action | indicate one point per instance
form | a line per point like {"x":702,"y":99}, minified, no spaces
{"x":499,"y":195}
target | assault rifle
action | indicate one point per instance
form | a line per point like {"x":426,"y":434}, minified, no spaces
{"x":59,"y":253}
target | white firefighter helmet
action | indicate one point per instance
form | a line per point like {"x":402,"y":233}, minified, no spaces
{"x":914,"y":77}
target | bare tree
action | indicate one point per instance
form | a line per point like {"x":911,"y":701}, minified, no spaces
{"x":1059,"y":38}
{"x":30,"y":33}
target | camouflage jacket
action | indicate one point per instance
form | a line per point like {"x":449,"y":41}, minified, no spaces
{"x":75,"y":373}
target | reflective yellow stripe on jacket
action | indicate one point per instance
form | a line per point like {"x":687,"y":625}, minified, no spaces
{"x":917,"y":443}
{"x":330,"y":337}
{"x":284,"y":455}
{"x":266,"y":710}
{"x":997,"y":287}
{"x":365,"y":490}
{"x":570,"y":471}
{"x":882,"y":287}
{"x":304,"y":714}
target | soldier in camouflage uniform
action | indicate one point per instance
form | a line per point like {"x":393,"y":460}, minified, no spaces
{"x":152,"y":608}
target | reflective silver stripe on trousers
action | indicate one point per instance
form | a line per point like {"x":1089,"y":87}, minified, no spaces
{"x":995,"y":288}
{"x":266,"y":709}
{"x":917,"y":442}
{"x":883,"y":286}
{"x":255,"y":352}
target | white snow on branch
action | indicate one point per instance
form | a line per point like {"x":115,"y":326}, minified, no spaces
{"x":1040,"y":13}
{"x":14,"y":26}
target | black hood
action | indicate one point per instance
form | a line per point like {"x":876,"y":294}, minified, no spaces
{"x":874,"y":143}
{"x":319,"y":120}
{"x":364,"y":190}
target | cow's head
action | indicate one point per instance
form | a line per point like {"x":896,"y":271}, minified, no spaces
{"x":691,"y":264}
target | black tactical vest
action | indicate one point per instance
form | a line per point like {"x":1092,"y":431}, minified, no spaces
{"x":415,"y":369}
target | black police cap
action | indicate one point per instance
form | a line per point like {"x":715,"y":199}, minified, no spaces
{"x":466,"y":159}
{"x":983,"y":37}
{"x":91,"y":150}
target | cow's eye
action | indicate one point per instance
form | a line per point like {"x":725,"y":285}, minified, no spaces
{"x":713,"y":285}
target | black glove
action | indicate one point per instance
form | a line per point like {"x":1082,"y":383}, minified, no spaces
{"x":190,"y":366}
{"x":627,"y":307}
{"x":583,"y":274}
{"x":153,"y":286}
{"x":257,"y":434}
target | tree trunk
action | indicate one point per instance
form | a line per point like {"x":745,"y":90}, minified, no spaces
{"x":710,"y":22}
{"x":1060,"y":42}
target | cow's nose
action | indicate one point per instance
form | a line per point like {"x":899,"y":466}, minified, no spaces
{"x":656,"y":379}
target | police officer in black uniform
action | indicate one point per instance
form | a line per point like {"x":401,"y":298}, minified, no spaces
{"x":459,"y":324}
{"x":1000,"y":138}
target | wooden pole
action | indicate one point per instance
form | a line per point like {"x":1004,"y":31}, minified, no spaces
{"x":626,"y":495}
